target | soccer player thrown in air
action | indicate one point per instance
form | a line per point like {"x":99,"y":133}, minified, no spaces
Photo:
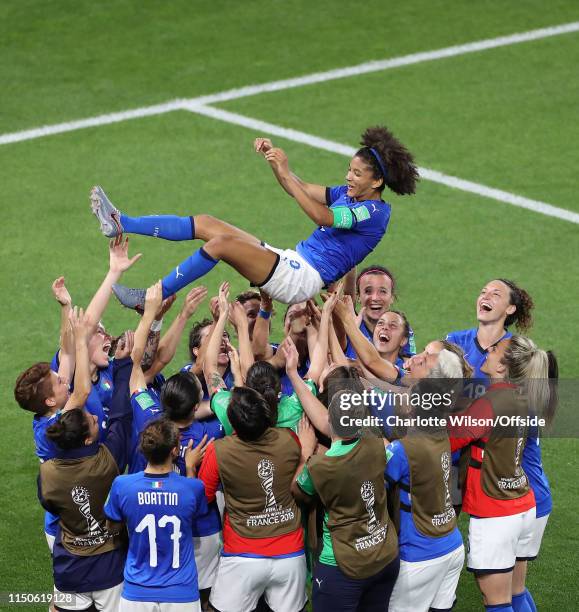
{"x":159,"y":508}
{"x":500,"y":304}
{"x":351,"y":220}
{"x":419,"y":470}
{"x":503,"y":527}
{"x":263,"y":539}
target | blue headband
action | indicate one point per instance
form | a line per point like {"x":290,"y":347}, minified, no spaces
{"x":377,"y":158}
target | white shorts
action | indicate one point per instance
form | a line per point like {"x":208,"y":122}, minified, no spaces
{"x":531,"y":550}
{"x":149,"y":606}
{"x":422,"y":585}
{"x":241,"y":581}
{"x":50,"y":541}
{"x":495,"y":543}
{"x":107,"y":599}
{"x":207,"y":554}
{"x":293,"y":280}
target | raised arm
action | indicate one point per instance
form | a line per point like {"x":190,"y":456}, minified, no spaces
{"x":315,"y":209}
{"x":260,"y":339}
{"x":153,"y":301}
{"x":66,"y":356}
{"x":119,"y":262}
{"x":319,"y":356}
{"x":82,"y":383}
{"x":210,"y":368}
{"x":365,"y":350}
{"x":315,"y":410}
{"x":170,"y":341}
{"x":239,"y":320}
{"x":316,"y":192}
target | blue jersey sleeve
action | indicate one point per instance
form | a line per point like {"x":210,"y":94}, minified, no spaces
{"x":201,"y":507}
{"x":213,"y":428}
{"x":333,"y":194}
{"x":146,"y":407}
{"x":112,"y":507}
{"x":397,"y":463}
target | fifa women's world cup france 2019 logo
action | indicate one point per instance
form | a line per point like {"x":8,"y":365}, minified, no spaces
{"x":81,"y":497}
{"x":265,"y":470}
{"x":369,"y":499}
{"x":445,"y":461}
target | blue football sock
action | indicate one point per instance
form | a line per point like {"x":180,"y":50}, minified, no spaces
{"x":187,"y":271}
{"x":530,"y":601}
{"x":169,"y":227}
{"x":520,"y":603}
{"x":506,"y":607}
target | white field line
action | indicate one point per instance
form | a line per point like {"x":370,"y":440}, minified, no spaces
{"x":319,"y":77}
{"x":425,"y":173}
{"x":71,"y":126}
{"x":395,"y":62}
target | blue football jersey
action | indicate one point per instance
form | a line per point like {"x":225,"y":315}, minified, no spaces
{"x":475,"y":355}
{"x":533,"y":467}
{"x":414,"y":546}
{"x":333,"y":251}
{"x":147,"y":408}
{"x":159,"y":511}
{"x":228,"y":379}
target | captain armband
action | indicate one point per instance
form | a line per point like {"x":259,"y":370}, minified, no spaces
{"x":343,"y":217}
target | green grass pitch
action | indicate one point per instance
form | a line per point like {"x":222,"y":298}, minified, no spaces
{"x":507,"y":118}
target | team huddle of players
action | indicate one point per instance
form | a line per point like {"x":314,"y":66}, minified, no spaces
{"x":231,"y":460}
{"x":245,"y":488}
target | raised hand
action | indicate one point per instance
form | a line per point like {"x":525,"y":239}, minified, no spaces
{"x":153,"y":299}
{"x":119,"y":259}
{"x":60,"y":292}
{"x":194,"y":456}
{"x":290,"y":352}
{"x":237,"y":314}
{"x":224,"y":299}
{"x":125,"y":344}
{"x":79,"y":323}
{"x":278,"y":161}
{"x":262,"y":145}
{"x":214,"y":307}
{"x":165,"y":306}
{"x":192,"y":301}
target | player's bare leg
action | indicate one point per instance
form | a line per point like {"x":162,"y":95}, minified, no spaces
{"x":248,"y":257}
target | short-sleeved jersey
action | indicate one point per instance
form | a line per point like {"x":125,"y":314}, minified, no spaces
{"x":414,"y":546}
{"x":333,"y":251}
{"x":533,"y":468}
{"x":159,"y":511}
{"x":146,"y":408}
{"x":289,"y":409}
{"x":475,"y":355}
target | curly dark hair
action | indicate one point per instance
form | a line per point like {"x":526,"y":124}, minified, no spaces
{"x":401,"y":172}
{"x":523,"y":316}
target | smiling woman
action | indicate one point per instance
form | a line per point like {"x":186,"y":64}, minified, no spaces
{"x":351,"y":219}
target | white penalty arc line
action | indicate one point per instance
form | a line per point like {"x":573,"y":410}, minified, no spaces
{"x":318,"y":77}
{"x":425,"y":173}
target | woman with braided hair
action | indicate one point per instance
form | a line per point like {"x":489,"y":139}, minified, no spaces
{"x":351,"y":218}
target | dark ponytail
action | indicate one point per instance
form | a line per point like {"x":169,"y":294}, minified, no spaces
{"x":71,"y":430}
{"x":263,"y":377}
